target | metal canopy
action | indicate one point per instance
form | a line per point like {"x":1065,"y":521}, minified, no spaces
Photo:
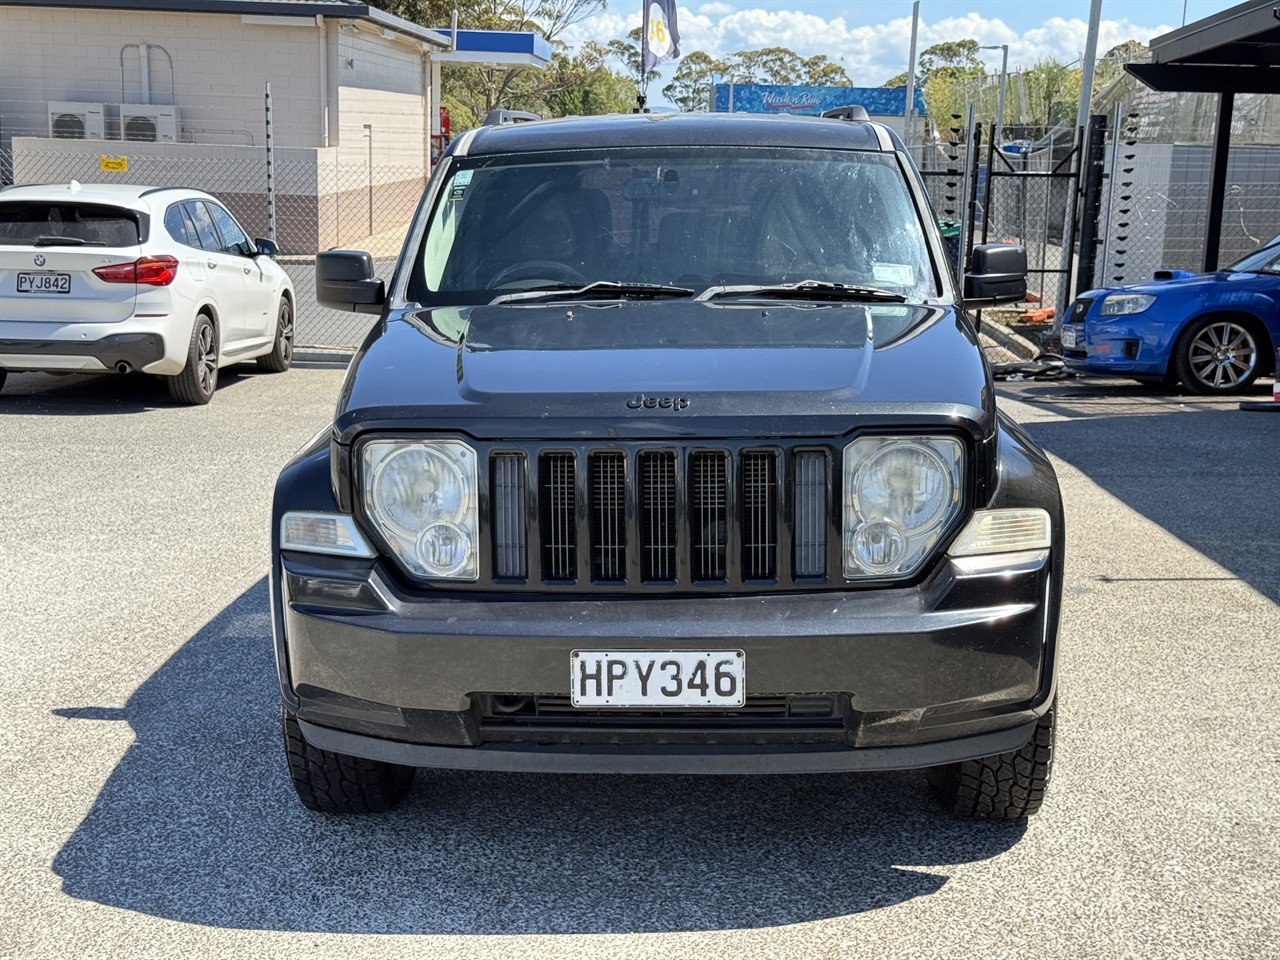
{"x":1235,"y":51}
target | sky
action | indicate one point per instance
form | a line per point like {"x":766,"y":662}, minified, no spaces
{"x":872,"y":38}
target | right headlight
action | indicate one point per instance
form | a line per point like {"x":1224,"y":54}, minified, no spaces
{"x":900,"y":494}
{"x":422,"y":497}
{"x":1123,"y":304}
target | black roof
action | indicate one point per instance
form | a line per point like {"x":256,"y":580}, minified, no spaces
{"x":677,"y":129}
{"x":1234,"y":51}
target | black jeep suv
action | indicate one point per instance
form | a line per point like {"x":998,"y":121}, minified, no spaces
{"x":672,"y":450}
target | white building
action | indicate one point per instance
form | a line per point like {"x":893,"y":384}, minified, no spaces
{"x":174,"y":92}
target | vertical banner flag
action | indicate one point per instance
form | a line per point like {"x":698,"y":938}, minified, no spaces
{"x":659,"y":35}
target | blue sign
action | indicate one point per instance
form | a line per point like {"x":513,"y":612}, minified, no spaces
{"x":812,"y":101}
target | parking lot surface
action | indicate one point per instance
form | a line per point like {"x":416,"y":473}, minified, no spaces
{"x":147,"y":812}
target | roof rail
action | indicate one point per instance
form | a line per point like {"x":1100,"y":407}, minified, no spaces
{"x":851,"y":112}
{"x":501,"y":116}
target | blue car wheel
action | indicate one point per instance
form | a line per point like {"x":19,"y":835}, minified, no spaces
{"x":1217,"y":355}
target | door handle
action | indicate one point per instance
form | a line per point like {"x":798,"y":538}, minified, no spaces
{"x":212,"y":264}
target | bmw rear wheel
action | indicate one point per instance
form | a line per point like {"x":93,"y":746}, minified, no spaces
{"x":1217,"y":355}
{"x":199,"y":378}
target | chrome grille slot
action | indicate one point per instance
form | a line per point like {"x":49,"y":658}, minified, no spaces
{"x":658,"y":534}
{"x":557,"y":478}
{"x":759,"y":515}
{"x":811,"y":513}
{"x":507,"y":483}
{"x":607,"y":476}
{"x":708,"y":513}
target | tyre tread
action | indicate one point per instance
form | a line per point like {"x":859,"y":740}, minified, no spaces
{"x":1007,"y":786}
{"x":328,"y":782}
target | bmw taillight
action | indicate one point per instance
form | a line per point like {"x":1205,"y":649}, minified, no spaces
{"x":152,"y":271}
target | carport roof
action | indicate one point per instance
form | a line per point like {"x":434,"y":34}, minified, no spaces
{"x":345,"y":9}
{"x":1235,"y":51}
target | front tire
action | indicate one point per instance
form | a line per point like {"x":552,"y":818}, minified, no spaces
{"x":1218,"y":355}
{"x":328,"y":782}
{"x":281,"y":355}
{"x":1008,"y":786}
{"x":199,"y":378}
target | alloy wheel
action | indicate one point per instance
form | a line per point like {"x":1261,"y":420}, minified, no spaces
{"x":1222,"y":355}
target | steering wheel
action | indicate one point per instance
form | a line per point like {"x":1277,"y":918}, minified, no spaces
{"x":551,"y":271}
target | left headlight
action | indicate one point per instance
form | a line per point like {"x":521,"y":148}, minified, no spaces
{"x":900,"y":494}
{"x":421,"y":495}
{"x":1123,"y":304}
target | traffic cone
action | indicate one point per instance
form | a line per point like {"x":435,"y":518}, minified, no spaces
{"x":1274,"y":405}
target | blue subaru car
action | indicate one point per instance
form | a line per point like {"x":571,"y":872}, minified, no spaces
{"x":1211,"y":332}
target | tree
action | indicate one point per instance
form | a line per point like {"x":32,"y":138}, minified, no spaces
{"x":477,"y":90}
{"x":942,"y":73}
{"x":778,"y":65}
{"x":628,"y":52}
{"x":691,"y":87}
{"x":582,"y":85}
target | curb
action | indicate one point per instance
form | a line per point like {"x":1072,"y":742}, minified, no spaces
{"x":1005,"y":339}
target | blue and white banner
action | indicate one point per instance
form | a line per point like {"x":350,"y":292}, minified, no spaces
{"x":768,"y":98}
{"x":659,"y":35}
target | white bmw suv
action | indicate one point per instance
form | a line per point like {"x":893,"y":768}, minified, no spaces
{"x":161,"y":280}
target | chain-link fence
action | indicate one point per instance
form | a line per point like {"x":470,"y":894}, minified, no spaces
{"x":1156,"y":197}
{"x":321,"y":202}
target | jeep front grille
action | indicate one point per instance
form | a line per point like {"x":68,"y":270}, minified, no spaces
{"x":632,"y":514}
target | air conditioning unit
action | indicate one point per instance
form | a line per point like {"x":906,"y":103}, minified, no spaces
{"x":149,"y":122}
{"x":76,"y":121}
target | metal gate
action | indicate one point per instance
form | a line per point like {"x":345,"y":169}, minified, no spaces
{"x":985,"y":195}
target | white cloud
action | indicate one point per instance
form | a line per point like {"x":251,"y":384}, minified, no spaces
{"x":870,"y":54}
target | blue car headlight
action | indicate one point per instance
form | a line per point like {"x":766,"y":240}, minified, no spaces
{"x":1123,"y":304}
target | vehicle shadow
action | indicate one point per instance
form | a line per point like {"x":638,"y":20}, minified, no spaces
{"x":1203,"y":470}
{"x":90,"y":394}
{"x":199,"y":823}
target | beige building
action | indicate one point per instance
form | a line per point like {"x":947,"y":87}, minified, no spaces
{"x":173,"y":92}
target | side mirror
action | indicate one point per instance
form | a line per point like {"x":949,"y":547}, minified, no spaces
{"x":345,"y":281}
{"x":265,"y":248}
{"x":997,"y":274}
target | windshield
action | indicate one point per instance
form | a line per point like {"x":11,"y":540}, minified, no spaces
{"x":688,"y":217}
{"x":1266,"y":260}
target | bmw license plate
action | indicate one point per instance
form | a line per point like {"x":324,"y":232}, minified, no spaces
{"x":44,"y":283}
{"x":658,"y":679}
{"x":1069,"y":337}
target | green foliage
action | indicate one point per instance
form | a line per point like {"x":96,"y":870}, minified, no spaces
{"x":778,"y":65}
{"x":691,"y":88}
{"x":628,"y":53}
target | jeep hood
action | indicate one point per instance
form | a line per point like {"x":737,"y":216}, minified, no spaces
{"x":675,"y":368}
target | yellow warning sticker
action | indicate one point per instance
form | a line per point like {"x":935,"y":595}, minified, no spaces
{"x":113,"y":164}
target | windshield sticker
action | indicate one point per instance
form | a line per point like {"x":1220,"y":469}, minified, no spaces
{"x":893,"y":273}
{"x":460,"y":183}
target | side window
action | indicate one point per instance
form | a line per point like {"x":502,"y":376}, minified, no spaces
{"x":206,"y":233}
{"x":176,"y":224}
{"x":234,"y":240}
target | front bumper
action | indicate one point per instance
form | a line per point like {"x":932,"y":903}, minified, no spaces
{"x":958,"y":666}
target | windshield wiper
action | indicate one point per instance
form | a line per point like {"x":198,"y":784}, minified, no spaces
{"x":598,"y":289}
{"x":805,"y":290}
{"x":49,"y":240}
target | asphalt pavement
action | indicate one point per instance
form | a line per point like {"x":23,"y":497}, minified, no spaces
{"x":147,"y":811}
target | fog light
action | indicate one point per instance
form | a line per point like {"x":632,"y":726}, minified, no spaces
{"x":879,"y":546}
{"x":443,"y":549}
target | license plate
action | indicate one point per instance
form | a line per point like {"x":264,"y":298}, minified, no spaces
{"x":1069,"y":336}
{"x":44,"y":283}
{"x":666,"y":678}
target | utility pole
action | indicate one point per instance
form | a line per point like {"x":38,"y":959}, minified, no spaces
{"x":1073,"y":195}
{"x":908,"y":116}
